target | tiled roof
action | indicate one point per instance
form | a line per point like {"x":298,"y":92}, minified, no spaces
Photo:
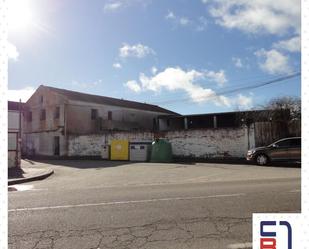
{"x":85,"y":97}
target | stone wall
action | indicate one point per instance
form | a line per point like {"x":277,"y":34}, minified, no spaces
{"x":200,"y":143}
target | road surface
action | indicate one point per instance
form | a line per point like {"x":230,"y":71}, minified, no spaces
{"x":95,"y":204}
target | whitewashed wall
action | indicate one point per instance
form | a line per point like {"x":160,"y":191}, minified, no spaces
{"x":90,"y":145}
{"x":210,"y":143}
{"x":202,"y":143}
{"x":43,"y":143}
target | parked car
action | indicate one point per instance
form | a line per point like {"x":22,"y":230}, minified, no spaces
{"x":286,"y":149}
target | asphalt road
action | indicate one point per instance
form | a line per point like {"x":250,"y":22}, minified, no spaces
{"x":88,"y":204}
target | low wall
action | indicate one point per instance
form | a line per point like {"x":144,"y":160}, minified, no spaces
{"x":201,"y":143}
{"x":91,"y":145}
{"x":209,"y":143}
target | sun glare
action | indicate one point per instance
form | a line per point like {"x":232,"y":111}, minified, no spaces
{"x":20,"y":15}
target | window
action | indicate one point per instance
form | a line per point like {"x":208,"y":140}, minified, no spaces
{"x":94,"y":114}
{"x":43,"y":114}
{"x":41,"y":99}
{"x":29,"y":118}
{"x":110,"y":115}
{"x":296,"y":142}
{"x":284,"y":143}
{"x":57,"y":112}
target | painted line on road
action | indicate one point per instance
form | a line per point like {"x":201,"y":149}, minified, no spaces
{"x":295,"y":191}
{"x":240,"y":245}
{"x":20,"y":188}
{"x":125,"y":202}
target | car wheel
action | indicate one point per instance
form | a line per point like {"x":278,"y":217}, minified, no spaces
{"x":261,"y":159}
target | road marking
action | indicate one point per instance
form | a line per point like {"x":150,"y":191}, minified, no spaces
{"x":295,"y":191}
{"x":125,"y":202}
{"x":20,"y":187}
{"x":240,"y":245}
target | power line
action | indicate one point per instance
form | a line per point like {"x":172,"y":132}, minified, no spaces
{"x":240,"y":82}
{"x":163,"y":97}
{"x":231,"y":91}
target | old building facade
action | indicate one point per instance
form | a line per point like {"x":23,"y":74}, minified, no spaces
{"x":15,"y":132}
{"x":53,"y":114}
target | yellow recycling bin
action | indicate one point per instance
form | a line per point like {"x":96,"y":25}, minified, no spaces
{"x":120,"y":150}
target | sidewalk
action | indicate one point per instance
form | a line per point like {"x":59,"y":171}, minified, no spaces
{"x":28,"y":172}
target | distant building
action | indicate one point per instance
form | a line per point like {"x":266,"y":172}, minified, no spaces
{"x":268,"y":125}
{"x":212,"y":120}
{"x":15,"y":110}
{"x":53,"y":114}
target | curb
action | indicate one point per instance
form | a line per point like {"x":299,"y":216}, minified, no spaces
{"x":30,"y":179}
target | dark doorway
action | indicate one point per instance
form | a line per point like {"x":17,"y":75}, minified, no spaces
{"x":56,"y":146}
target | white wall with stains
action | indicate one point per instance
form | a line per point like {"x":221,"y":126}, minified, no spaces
{"x":91,"y":145}
{"x":199,"y":143}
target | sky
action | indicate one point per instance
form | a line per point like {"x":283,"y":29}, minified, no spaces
{"x":189,"y":56}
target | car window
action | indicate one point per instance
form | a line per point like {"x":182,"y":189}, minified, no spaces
{"x":284,"y":143}
{"x":296,"y":142}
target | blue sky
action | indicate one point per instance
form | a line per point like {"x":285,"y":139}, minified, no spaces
{"x":182,"y":55}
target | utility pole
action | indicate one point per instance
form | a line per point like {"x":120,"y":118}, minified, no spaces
{"x":19,"y":137}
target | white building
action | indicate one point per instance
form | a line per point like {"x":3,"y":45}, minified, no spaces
{"x":54,"y":114}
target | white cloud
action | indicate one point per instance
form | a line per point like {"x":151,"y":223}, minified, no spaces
{"x":24,"y":94}
{"x":237,"y":62}
{"x":290,"y":45}
{"x":86,"y":85}
{"x":154,"y":70}
{"x":137,"y":50}
{"x":133,"y":85}
{"x":218,"y":77}
{"x":201,"y":23}
{"x":257,"y":16}
{"x":12,"y":51}
{"x":117,"y":65}
{"x":184,"y":21}
{"x":273,"y":62}
{"x":198,"y":24}
{"x":170,"y":15}
{"x":243,"y":102}
{"x":172,"y":79}
{"x":112,"y":6}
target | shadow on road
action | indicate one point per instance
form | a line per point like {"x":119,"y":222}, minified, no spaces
{"x":101,"y":164}
{"x":84,"y":164}
{"x":236,"y":161}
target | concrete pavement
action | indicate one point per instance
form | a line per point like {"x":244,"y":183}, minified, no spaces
{"x":27,"y":173}
{"x":97,"y":174}
{"x":81,"y":207}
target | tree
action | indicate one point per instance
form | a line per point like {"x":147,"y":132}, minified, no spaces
{"x":285,"y":108}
